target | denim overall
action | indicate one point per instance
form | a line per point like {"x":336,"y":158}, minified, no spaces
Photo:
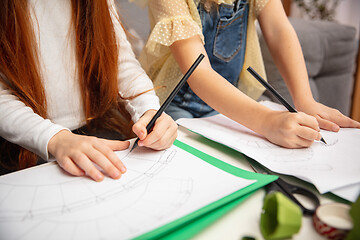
{"x":224,"y":30}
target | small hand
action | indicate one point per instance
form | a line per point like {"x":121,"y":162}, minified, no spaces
{"x":162,"y":135}
{"x":77,"y":154}
{"x":328,"y":118}
{"x":291,"y":130}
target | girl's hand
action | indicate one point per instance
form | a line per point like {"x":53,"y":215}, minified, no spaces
{"x":291,"y":130}
{"x":328,"y":118}
{"x":77,"y":154}
{"x":162,"y":135}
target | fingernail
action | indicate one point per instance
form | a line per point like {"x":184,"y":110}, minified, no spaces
{"x":116,"y":174}
{"x":99,"y":177}
{"x":123,"y":169}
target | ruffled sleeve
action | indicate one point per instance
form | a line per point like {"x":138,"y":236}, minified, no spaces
{"x":171,"y":21}
{"x":259,"y":6}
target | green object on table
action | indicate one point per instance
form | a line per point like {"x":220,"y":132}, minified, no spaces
{"x":354,"y":234}
{"x":191,"y":224}
{"x":281,"y":217}
{"x":248,"y":238}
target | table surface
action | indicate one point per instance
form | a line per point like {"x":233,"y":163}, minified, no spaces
{"x":244,"y":219}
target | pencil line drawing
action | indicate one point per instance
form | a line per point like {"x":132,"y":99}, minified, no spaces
{"x":65,"y":205}
{"x":318,"y":164}
{"x":159,"y":186}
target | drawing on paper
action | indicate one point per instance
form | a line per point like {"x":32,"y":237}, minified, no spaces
{"x":318,"y":164}
{"x":159,"y":187}
{"x":66,"y":203}
{"x":242,"y":138}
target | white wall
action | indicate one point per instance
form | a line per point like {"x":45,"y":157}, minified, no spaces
{"x":349,"y":13}
{"x":136,"y":21}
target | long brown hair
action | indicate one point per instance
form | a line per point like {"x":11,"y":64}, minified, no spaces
{"x":97,"y":67}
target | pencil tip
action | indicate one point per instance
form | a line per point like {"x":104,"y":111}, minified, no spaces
{"x":132,"y":148}
{"x":323,"y":140}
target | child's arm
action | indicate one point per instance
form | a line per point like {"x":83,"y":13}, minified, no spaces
{"x":77,"y":154}
{"x":133,"y":80}
{"x":20,"y":125}
{"x":283,"y":128}
{"x":285,"y":48}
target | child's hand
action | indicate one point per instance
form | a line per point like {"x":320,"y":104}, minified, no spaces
{"x":162,"y":135}
{"x":76,"y":155}
{"x":291,"y":130}
{"x":328,"y":118}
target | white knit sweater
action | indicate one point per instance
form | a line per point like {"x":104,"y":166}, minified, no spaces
{"x":51,"y":21}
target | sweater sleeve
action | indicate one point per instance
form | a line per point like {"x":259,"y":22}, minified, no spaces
{"x":132,"y":79}
{"x":20,"y":125}
{"x":172,"y":21}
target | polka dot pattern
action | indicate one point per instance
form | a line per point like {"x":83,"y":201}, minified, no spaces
{"x":259,"y":5}
{"x":173,"y":20}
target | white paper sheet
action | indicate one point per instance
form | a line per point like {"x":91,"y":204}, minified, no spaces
{"x":159,"y":187}
{"x":328,"y":167}
{"x":350,"y":193}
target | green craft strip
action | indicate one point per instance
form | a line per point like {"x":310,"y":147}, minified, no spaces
{"x":191,"y":224}
{"x":198,"y":224}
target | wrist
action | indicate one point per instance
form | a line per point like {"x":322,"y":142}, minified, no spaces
{"x":56,"y":139}
{"x":261,"y":125}
{"x":301,"y":103}
{"x":300,"y":91}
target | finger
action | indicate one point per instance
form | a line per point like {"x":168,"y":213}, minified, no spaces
{"x":86,"y":164}
{"x":344,"y":121}
{"x":109,"y":153}
{"x":166,"y":140}
{"x":308,"y":134}
{"x":353,"y":124}
{"x":163,"y":134}
{"x":301,"y":144}
{"x":308,"y":121}
{"x":327,"y":125}
{"x":158,"y":131}
{"x":70,"y":167}
{"x":340,"y":119}
{"x":116,"y":145}
{"x":102,"y":161}
{"x":304,"y":143}
{"x":139,"y":128}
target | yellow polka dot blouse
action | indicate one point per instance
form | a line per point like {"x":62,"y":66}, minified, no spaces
{"x":173,"y":20}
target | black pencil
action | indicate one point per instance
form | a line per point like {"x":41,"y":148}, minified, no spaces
{"x":171,"y":96}
{"x":274,"y":92}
